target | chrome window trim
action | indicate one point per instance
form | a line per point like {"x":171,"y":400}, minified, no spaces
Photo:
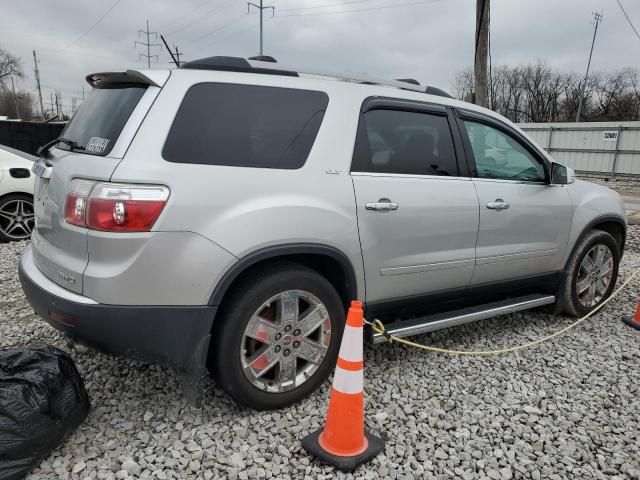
{"x":408,"y":175}
{"x":504,"y":180}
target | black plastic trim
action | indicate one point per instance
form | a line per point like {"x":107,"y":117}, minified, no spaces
{"x":388,"y":103}
{"x":453,"y":299}
{"x":437,"y":91}
{"x":590,"y":226}
{"x":173,"y":335}
{"x":232,"y":64}
{"x":19,"y":172}
{"x":284,"y":250}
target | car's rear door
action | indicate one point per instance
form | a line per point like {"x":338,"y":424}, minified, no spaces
{"x":524,"y":219}
{"x":417,"y":209}
{"x":102,"y":128}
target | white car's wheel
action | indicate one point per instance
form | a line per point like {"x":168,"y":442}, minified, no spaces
{"x":16,"y":217}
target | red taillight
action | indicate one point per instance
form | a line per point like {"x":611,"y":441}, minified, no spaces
{"x":123,"y":215}
{"x":115,"y":207}
{"x":75,"y":207}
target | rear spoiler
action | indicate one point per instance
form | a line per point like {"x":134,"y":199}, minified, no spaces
{"x":155,"y":78}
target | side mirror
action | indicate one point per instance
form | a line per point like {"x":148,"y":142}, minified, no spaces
{"x":562,"y":175}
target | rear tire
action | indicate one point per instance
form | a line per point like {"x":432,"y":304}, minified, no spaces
{"x":591,"y":274}
{"x":244,"y":348}
{"x":16,"y":217}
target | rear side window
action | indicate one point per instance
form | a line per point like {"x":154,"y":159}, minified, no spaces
{"x":245,"y":126}
{"x":396,"y":141}
{"x":100,"y":119}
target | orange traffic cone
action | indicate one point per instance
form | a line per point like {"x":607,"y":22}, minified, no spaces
{"x":343,"y":441}
{"x":635,"y":320}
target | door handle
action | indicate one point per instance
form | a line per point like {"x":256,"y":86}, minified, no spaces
{"x":499,"y":204}
{"x":382,"y":205}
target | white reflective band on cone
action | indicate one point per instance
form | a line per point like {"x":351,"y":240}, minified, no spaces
{"x":351,"y":346}
{"x":347,"y":381}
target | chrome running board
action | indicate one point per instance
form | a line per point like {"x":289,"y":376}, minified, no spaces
{"x":454,"y":318}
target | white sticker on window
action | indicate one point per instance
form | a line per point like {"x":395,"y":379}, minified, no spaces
{"x":97,"y":144}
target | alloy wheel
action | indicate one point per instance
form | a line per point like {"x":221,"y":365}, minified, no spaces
{"x":285,"y":341}
{"x":594,"y":275}
{"x":16,"y":219}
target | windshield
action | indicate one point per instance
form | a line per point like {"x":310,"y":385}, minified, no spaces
{"x":98,"y":122}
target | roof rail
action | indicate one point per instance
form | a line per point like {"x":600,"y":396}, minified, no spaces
{"x":268,"y":65}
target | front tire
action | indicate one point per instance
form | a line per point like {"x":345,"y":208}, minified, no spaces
{"x":591,"y":274}
{"x":277,"y":336}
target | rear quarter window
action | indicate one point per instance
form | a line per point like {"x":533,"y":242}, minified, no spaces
{"x":245,"y":126}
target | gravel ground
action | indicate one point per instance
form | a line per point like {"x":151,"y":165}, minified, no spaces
{"x":566,"y":409}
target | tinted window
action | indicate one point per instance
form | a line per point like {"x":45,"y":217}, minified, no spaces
{"x":392,"y":141}
{"x":98,"y":122}
{"x":245,"y":126}
{"x":498,"y":155}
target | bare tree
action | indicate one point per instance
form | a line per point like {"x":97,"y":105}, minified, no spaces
{"x":10,"y":65}
{"x":538,"y":93}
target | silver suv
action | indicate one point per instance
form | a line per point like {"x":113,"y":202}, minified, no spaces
{"x":225,"y":213}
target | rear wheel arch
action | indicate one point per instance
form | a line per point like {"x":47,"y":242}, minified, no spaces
{"x":328,"y":261}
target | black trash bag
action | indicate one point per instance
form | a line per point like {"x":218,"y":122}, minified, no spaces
{"x":42,"y":399}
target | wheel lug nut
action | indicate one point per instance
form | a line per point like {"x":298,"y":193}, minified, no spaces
{"x":278,"y":348}
{"x":287,"y":328}
{"x":296,"y":332}
{"x":296,"y":344}
{"x":287,"y":352}
{"x":278,"y":336}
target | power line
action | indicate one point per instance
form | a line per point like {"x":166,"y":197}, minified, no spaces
{"x":384,"y":7}
{"x":216,"y":30}
{"x":97,"y":22}
{"x":629,"y":20}
{"x":185,"y":15}
{"x":203,"y":16}
{"x":326,"y":5}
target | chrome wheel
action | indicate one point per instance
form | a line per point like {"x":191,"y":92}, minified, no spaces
{"x":285,"y":341}
{"x":16,"y":219}
{"x":594,"y":275}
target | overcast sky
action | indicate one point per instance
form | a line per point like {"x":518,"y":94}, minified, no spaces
{"x":429,"y":40}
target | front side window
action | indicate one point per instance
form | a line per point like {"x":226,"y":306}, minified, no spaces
{"x":395,"y":141}
{"x":245,"y":126}
{"x":500,"y":156}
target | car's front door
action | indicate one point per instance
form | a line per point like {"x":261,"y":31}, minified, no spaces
{"x":417,"y":211}
{"x":524,"y":219}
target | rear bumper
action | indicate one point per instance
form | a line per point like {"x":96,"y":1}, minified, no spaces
{"x":173,"y":335}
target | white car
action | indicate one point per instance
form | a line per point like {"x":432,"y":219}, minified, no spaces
{"x":16,"y":194}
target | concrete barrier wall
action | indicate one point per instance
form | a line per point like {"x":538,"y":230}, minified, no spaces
{"x":608,"y":148}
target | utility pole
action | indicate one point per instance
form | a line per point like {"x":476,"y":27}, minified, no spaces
{"x":83,"y":93}
{"x":74,"y":105}
{"x":37,"y":73}
{"x":261,"y":8}
{"x":58,"y":105}
{"x":597,"y":18}
{"x":481,"y":53}
{"x":148,"y":44}
{"x":177,"y":54}
{"x":52,"y":104}
{"x":15,"y":98}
